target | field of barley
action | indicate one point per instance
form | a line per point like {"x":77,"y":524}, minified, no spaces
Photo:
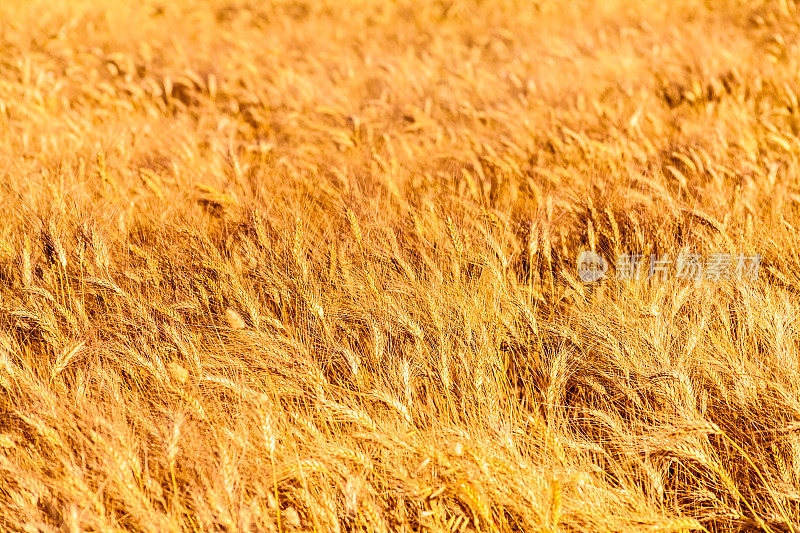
{"x":310,"y":265}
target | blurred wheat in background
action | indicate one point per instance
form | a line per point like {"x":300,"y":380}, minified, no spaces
{"x":311,"y":265}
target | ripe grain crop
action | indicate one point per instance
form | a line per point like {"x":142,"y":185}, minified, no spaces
{"x":294,"y":265}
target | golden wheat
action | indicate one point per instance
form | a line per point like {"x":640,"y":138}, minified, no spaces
{"x":294,"y":265}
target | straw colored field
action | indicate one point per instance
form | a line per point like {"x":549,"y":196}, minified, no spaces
{"x":311,"y":265}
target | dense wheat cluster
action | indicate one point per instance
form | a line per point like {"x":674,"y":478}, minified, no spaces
{"x":311,"y":265}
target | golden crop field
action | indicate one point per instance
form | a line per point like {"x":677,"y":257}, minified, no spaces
{"x":313,"y":265}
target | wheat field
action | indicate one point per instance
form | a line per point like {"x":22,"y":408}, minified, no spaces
{"x":310,"y":265}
